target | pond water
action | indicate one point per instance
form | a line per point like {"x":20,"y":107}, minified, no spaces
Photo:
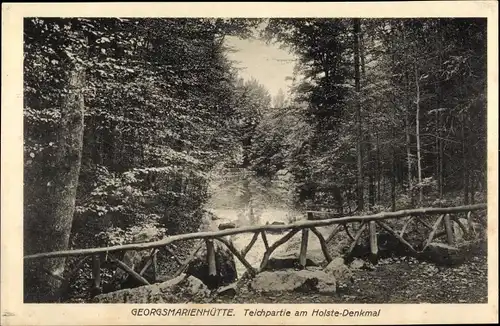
{"x":240,"y":241}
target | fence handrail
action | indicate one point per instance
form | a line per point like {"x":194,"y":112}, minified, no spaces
{"x":258,"y":228}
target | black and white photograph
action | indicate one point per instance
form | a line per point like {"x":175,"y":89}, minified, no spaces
{"x":267,"y":160}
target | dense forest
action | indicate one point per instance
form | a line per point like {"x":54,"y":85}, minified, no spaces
{"x":128,"y":121}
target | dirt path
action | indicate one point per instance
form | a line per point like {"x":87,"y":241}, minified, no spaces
{"x":395,"y":281}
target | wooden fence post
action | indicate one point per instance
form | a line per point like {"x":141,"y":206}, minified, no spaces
{"x":470,"y":224}
{"x":303,"y":244}
{"x":373,"y":240}
{"x":155,"y":266}
{"x":303,"y":248}
{"x":212,"y":268}
{"x":96,"y":274}
{"x":449,"y":229}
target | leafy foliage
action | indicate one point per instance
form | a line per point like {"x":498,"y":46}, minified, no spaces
{"x":157,"y":110}
{"x":397,"y":55}
{"x":166,"y":116}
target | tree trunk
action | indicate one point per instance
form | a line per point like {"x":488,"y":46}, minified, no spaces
{"x":50,"y":228}
{"x":408,"y":150}
{"x":472,"y":188}
{"x":407,"y":121}
{"x":438,"y":146}
{"x":439,"y":141}
{"x":359,"y":186}
{"x":417,"y":126}
{"x":439,"y":153}
{"x":471,"y":174}
{"x":371,"y":175}
{"x":379,"y":172}
{"x":362,"y":57}
{"x":393,"y":165}
{"x":465,"y":167}
{"x":441,"y":162}
{"x":246,"y":144}
{"x":371,"y":186}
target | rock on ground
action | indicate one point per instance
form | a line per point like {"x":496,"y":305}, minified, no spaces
{"x":228,"y":290}
{"x":394,"y":282}
{"x":290,"y":260}
{"x":295,"y":281}
{"x":340,"y":271}
{"x":181,"y":288}
{"x":443,"y":254}
{"x":357,"y":264}
{"x":287,"y":255}
{"x":460,"y":236}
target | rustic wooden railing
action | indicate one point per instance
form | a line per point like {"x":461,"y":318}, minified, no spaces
{"x":367,"y":223}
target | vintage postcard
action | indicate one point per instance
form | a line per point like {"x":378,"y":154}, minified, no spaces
{"x":249,"y":163}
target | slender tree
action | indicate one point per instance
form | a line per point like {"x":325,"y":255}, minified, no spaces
{"x":359,"y":128}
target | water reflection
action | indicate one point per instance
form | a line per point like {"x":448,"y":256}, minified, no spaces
{"x":246,"y":218}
